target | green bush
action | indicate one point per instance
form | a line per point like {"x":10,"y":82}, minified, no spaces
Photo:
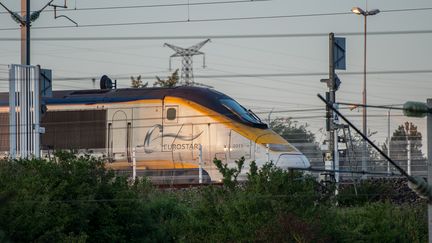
{"x":376,"y":222}
{"x":75,"y":199}
{"x":366,"y":191}
{"x":229,"y":175}
{"x":246,"y":211}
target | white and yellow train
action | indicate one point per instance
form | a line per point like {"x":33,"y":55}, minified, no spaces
{"x":166,"y":126}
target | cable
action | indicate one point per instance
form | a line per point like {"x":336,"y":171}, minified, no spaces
{"x":405,"y":10}
{"x":388,"y":107}
{"x":299,"y":74}
{"x":152,"y":6}
{"x":179,"y":37}
{"x":215,"y":19}
{"x":258,"y":75}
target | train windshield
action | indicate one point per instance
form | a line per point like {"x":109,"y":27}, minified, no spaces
{"x":241,"y":112}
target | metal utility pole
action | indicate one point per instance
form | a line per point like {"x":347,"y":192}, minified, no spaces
{"x":25,"y":20}
{"x":429,"y":165}
{"x":200,"y":169}
{"x":388,"y":140}
{"x":134,"y":164}
{"x":408,"y":140}
{"x":365,"y":131}
{"x":25,"y":32}
{"x":187,"y":54}
{"x":409,"y":157}
{"x":336,"y":61}
{"x":332,"y":100}
{"x":365,"y":14}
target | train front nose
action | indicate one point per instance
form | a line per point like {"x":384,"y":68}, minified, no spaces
{"x":286,"y":161}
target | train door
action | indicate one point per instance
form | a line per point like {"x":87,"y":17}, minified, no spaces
{"x":177,"y":136}
{"x":201,"y":133}
{"x":182,"y":145}
{"x":218,"y":145}
{"x":147,"y":127}
{"x":119,"y":134}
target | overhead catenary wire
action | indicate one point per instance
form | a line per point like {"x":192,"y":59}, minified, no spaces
{"x":257,"y":75}
{"x":212,"y":3}
{"x":188,"y":20}
{"x":387,"y":107}
{"x":193,"y":37}
{"x":151,"y":6}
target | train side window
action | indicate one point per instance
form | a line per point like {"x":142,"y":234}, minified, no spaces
{"x":171,"y":114}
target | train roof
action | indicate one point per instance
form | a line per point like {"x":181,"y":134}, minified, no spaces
{"x":209,"y":98}
{"x":122,"y":95}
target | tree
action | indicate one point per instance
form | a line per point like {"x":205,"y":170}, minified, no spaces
{"x":137,"y":82}
{"x":300,"y":137}
{"x":404,"y":134}
{"x":355,"y":147}
{"x":170,"y":82}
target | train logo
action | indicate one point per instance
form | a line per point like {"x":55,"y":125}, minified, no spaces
{"x":159,"y":129}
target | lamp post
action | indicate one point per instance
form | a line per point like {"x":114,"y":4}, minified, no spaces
{"x":360,"y":11}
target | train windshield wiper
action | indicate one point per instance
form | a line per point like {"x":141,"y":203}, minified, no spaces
{"x":239,"y":111}
{"x":254,"y":115}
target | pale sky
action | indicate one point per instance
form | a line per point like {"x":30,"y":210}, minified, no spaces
{"x":227,"y":56}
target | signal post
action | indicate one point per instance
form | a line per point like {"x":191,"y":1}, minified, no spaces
{"x":336,"y":61}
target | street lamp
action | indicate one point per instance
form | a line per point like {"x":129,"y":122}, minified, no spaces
{"x":360,"y":11}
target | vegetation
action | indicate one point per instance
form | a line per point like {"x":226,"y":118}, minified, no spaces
{"x":229,"y":174}
{"x":137,"y":82}
{"x":170,"y":82}
{"x":399,"y":146}
{"x":75,"y":199}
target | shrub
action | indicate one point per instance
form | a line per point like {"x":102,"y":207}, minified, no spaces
{"x":376,"y":222}
{"x":75,"y":198}
{"x":229,"y":175}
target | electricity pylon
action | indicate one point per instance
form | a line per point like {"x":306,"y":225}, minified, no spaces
{"x":187,"y":77}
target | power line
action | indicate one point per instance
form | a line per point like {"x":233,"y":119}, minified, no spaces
{"x":215,"y":3}
{"x":152,"y":6}
{"x":391,"y":107}
{"x":256,"y":75}
{"x":188,"y":37}
{"x":272,"y":74}
{"x":405,"y":10}
{"x":215,"y":19}
{"x":209,"y":20}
